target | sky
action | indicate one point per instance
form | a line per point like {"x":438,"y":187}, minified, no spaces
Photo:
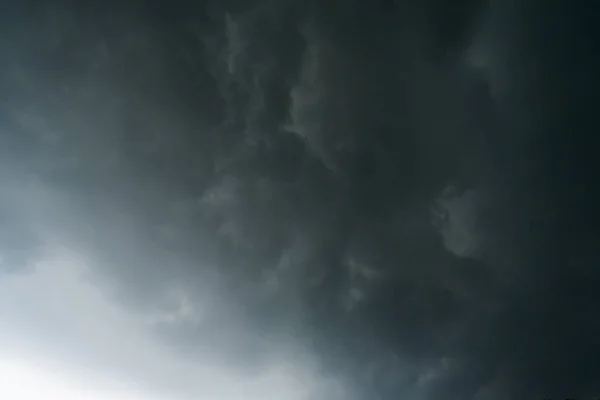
{"x":298,"y":200}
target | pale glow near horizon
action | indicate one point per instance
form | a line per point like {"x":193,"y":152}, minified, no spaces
{"x":65,"y":336}
{"x":29,"y":380}
{"x":62,"y":339}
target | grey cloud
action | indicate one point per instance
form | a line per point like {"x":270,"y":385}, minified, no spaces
{"x":340,"y":212}
{"x":284,"y":168}
{"x":20,"y":247}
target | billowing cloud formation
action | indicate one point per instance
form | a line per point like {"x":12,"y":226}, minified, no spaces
{"x":381,"y":187}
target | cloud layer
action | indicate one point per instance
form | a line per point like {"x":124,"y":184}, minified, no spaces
{"x":376,"y":194}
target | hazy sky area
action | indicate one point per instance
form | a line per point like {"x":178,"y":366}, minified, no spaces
{"x":299,"y":200}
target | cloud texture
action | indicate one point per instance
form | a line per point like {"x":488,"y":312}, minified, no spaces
{"x":378,"y":195}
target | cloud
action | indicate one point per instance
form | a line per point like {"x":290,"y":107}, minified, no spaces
{"x":269,"y":184}
{"x":84,"y":329}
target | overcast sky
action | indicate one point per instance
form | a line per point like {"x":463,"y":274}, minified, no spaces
{"x":298,"y":200}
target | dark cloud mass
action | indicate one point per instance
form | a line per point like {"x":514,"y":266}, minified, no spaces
{"x":406,"y":190}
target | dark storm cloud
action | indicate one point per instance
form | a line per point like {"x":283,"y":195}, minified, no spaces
{"x":293,"y":160}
